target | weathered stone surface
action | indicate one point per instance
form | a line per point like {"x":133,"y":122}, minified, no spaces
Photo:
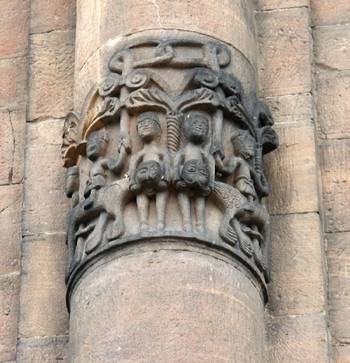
{"x":281,"y":4}
{"x":130,"y":16}
{"x":12,"y":83}
{"x":342,"y":353}
{"x":52,"y":15}
{"x":338,"y":255}
{"x":51,"y":74}
{"x":10,"y":221}
{"x":298,"y":339}
{"x":291,"y":171}
{"x":44,"y":177}
{"x":9,"y":289}
{"x":332,"y":47}
{"x":296,"y":265}
{"x":291,"y":110}
{"x":328,"y":12}
{"x":43,"y":350}
{"x":43,"y":309}
{"x":13,"y":28}
{"x":284,"y":59}
{"x":187,"y":307}
{"x":333,"y":107}
{"x":335,"y":165}
{"x":12,"y":130}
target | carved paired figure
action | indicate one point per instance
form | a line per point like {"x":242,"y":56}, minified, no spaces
{"x":248,"y":227}
{"x":149,"y":171}
{"x":194,"y":171}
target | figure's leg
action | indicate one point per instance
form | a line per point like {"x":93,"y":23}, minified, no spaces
{"x":96,"y":236}
{"x":142,"y":202}
{"x":161,"y":200}
{"x":199,"y":209}
{"x":185,"y":209}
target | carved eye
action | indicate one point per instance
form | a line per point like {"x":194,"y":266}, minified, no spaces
{"x":142,"y":171}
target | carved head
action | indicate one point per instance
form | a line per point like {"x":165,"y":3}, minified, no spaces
{"x":72,"y":181}
{"x":96,"y":144}
{"x":148,"y":174}
{"x":148,"y":126}
{"x":195,"y":173}
{"x":243,"y":144}
{"x":196,"y":127}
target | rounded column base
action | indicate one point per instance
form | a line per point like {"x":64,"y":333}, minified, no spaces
{"x":166,"y":302}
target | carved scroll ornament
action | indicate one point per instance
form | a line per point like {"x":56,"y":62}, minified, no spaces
{"x":166,"y":147}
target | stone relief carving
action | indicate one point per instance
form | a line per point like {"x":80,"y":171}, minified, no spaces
{"x":164,"y":142}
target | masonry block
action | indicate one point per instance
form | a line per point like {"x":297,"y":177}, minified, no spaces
{"x":45,"y":203}
{"x":9,"y":290}
{"x":330,"y":12}
{"x":335,"y":166}
{"x":332,"y":47}
{"x":338,"y":255}
{"x":296,"y":265}
{"x":291,"y":172}
{"x":51,"y":75}
{"x":284,"y":61}
{"x":14,"y":20}
{"x":43,"y":309}
{"x":10,"y":221}
{"x":47,"y":349}
{"x":52,"y":15}
{"x":291,"y":110}
{"x":281,"y":4}
{"x":298,"y":339}
{"x":13,"y":83}
{"x":333,"y":107}
{"x":12,"y":130}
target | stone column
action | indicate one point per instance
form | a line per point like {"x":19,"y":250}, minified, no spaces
{"x":167,"y":231}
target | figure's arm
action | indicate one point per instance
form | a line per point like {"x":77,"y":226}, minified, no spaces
{"x":179,"y":159}
{"x":134,"y":162}
{"x":115,"y":165}
{"x":210,"y":161}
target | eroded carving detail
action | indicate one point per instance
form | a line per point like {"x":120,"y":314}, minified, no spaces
{"x":165,"y":141}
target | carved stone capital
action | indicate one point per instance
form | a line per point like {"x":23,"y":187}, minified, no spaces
{"x":168,"y":146}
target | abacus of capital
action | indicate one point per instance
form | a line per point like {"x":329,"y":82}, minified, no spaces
{"x":167,"y":231}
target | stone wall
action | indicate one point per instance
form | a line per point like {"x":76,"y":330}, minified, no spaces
{"x":303,"y":67}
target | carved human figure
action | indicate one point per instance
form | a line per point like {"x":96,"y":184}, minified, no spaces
{"x":72,"y":192}
{"x":238,"y":165}
{"x":244,"y":177}
{"x":149,"y":171}
{"x":194,"y":171}
{"x":95,"y":151}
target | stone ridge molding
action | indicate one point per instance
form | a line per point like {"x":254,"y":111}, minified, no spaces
{"x":167,"y":148}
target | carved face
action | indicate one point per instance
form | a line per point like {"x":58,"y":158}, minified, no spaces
{"x":96,"y":145}
{"x":195,"y":173}
{"x":196,"y":127}
{"x":148,"y":126}
{"x":244,"y":145}
{"x":148,"y":173}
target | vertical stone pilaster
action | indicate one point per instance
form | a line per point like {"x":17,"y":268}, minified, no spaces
{"x":167,"y":231}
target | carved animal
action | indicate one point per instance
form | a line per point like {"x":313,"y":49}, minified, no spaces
{"x":236,"y":208}
{"x":110,"y":201}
